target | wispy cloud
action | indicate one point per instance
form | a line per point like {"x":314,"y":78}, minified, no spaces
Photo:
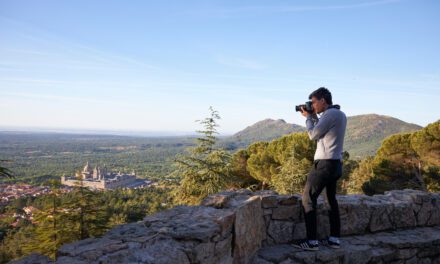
{"x":28,"y":51}
{"x":63,"y":98}
{"x":33,"y":81}
{"x":240,"y":63}
{"x":274,"y":9}
{"x":59,"y":51}
{"x":64,"y":64}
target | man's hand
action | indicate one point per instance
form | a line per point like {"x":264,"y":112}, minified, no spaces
{"x":304,"y":112}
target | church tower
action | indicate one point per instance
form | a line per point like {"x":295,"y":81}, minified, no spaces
{"x":87,"y":171}
{"x":96,"y":173}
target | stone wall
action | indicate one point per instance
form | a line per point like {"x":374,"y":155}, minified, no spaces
{"x":231,"y":227}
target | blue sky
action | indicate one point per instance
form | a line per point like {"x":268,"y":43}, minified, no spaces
{"x":159,"y":65}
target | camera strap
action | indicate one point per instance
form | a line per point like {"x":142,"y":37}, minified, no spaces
{"x":334,"y":106}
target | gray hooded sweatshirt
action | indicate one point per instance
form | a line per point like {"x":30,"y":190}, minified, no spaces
{"x":329,"y":131}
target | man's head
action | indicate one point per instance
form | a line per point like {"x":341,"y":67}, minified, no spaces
{"x":321,"y":99}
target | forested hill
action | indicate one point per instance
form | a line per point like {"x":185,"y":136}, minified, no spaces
{"x":363,"y":136}
{"x":366,"y":132}
{"x":263,"y":130}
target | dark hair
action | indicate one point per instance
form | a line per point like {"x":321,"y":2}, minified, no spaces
{"x":322,"y":92}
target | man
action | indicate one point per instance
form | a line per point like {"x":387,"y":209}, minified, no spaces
{"x":329,"y":131}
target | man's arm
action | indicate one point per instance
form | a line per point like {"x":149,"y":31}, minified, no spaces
{"x":317,"y":130}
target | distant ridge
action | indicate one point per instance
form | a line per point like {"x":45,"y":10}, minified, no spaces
{"x":363,"y":136}
{"x":268,"y":129}
{"x":263,"y":130}
{"x":366,"y":132}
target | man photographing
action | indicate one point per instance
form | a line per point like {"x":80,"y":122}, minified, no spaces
{"x":329,"y":131}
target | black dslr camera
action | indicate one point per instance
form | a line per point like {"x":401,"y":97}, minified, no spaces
{"x":308,"y":107}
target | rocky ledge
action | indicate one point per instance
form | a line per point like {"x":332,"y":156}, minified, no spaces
{"x":256,"y":227}
{"x":418,"y":245}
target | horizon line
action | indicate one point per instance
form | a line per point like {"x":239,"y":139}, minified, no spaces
{"x":140,"y":132}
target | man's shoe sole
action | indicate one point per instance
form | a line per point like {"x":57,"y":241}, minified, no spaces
{"x":310,"y":249}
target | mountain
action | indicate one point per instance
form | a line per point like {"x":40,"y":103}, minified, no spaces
{"x":366,"y":132}
{"x":263,"y":130}
{"x":267,"y":129}
{"x":363,"y":137}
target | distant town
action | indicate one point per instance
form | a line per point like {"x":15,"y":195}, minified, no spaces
{"x":9,"y":192}
{"x":95,"y":179}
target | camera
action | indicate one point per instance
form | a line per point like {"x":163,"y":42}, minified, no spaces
{"x":307,"y":106}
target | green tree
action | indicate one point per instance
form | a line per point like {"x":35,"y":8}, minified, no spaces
{"x":261,"y":164}
{"x":404,"y":160}
{"x":11,"y":247}
{"x":426,"y":142}
{"x":349,"y":166}
{"x":51,"y":228}
{"x":362,"y":173}
{"x":243,"y":179}
{"x":204,"y":170}
{"x":395,"y":166}
{"x":5,"y":172}
{"x":432,"y":178}
{"x":292,"y":176}
{"x":117,"y":219}
{"x":86,"y":212}
{"x":294,"y":153}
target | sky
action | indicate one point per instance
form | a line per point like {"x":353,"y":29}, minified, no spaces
{"x":159,"y":65}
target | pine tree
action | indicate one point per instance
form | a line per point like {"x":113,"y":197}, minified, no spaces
{"x":261,"y":163}
{"x":349,"y":166}
{"x":395,"y":166}
{"x":426,"y":143}
{"x":243,"y":179}
{"x":404,"y":160}
{"x":51,"y":228}
{"x":5,"y":172}
{"x":205,"y":169}
{"x":292,"y":176}
{"x":86,"y":212}
{"x":282,"y":163}
{"x":294,"y":153}
{"x":360,"y":175}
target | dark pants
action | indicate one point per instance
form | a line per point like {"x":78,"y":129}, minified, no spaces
{"x":324,"y":174}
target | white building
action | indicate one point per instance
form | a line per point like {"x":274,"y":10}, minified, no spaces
{"x":100,"y":178}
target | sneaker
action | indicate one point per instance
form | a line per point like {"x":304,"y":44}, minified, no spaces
{"x":329,"y":243}
{"x":304,"y":244}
